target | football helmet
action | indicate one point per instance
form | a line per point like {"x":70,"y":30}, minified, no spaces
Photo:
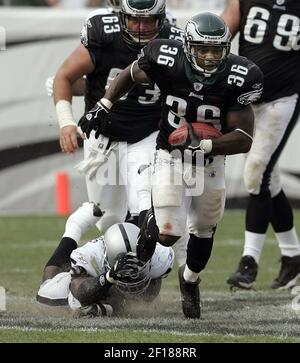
{"x":207,"y":43}
{"x":120,"y":237}
{"x":134,"y":274}
{"x":115,"y":4}
{"x":135,"y":18}
{"x":120,"y":240}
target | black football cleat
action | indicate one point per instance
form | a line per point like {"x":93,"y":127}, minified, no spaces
{"x":148,"y":237}
{"x":190,"y":296}
{"x":289,"y":273}
{"x":245,"y":275}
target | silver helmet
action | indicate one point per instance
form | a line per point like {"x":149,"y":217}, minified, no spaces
{"x":120,"y":240}
{"x":139,"y":10}
{"x":120,"y":237}
{"x":207,"y":32}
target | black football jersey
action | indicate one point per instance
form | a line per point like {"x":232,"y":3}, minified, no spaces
{"x":188,"y":97}
{"x":270,"y":37}
{"x":137,"y":114}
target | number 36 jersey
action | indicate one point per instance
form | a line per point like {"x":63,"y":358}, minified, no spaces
{"x":188,"y":96}
{"x":136,"y":115}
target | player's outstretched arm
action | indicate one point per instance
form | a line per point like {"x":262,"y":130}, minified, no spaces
{"x":73,"y":69}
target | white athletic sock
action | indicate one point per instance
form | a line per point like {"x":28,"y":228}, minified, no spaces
{"x":189,"y":275}
{"x":288,"y":243}
{"x":254,"y":243}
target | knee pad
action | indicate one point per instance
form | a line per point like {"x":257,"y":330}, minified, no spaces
{"x":54,"y":292}
{"x":81,"y":220}
{"x":167,"y":185}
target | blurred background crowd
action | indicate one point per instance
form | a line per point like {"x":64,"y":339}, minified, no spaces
{"x":102,"y":3}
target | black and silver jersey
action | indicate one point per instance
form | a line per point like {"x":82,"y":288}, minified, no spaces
{"x":188,"y":97}
{"x":270,"y":37}
{"x":137,"y":114}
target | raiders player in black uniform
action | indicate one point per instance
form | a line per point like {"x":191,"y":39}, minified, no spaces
{"x":200,"y":81}
{"x":110,"y":42}
{"x":269,"y":36}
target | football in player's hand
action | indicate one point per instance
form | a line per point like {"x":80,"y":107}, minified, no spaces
{"x":202,"y":130}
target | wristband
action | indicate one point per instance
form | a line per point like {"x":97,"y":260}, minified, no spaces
{"x":64,"y":114}
{"x":106,"y":103}
{"x":206,"y":146}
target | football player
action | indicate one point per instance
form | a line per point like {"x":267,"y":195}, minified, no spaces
{"x":110,"y":42}
{"x":269,"y":36}
{"x":200,"y":82}
{"x":78,"y":88}
{"x":105,"y":274}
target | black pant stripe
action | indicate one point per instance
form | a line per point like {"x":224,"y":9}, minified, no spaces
{"x":274,"y":158}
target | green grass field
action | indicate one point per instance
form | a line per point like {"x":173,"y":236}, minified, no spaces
{"x":242,"y":316}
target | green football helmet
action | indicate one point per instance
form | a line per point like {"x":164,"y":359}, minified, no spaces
{"x":207,"y":43}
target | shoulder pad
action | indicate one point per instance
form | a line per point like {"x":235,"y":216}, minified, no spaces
{"x":247,"y":78}
{"x":100,"y":29}
{"x":100,"y":11}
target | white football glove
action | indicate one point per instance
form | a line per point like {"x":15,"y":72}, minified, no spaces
{"x":49,"y":86}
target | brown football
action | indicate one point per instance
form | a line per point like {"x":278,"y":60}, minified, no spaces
{"x":201,"y":129}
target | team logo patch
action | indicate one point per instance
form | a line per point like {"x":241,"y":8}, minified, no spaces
{"x":198,"y":86}
{"x":280,"y":2}
{"x":250,"y":97}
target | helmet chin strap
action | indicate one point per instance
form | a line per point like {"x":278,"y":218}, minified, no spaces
{"x":140,"y":41}
{"x":202,"y":70}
